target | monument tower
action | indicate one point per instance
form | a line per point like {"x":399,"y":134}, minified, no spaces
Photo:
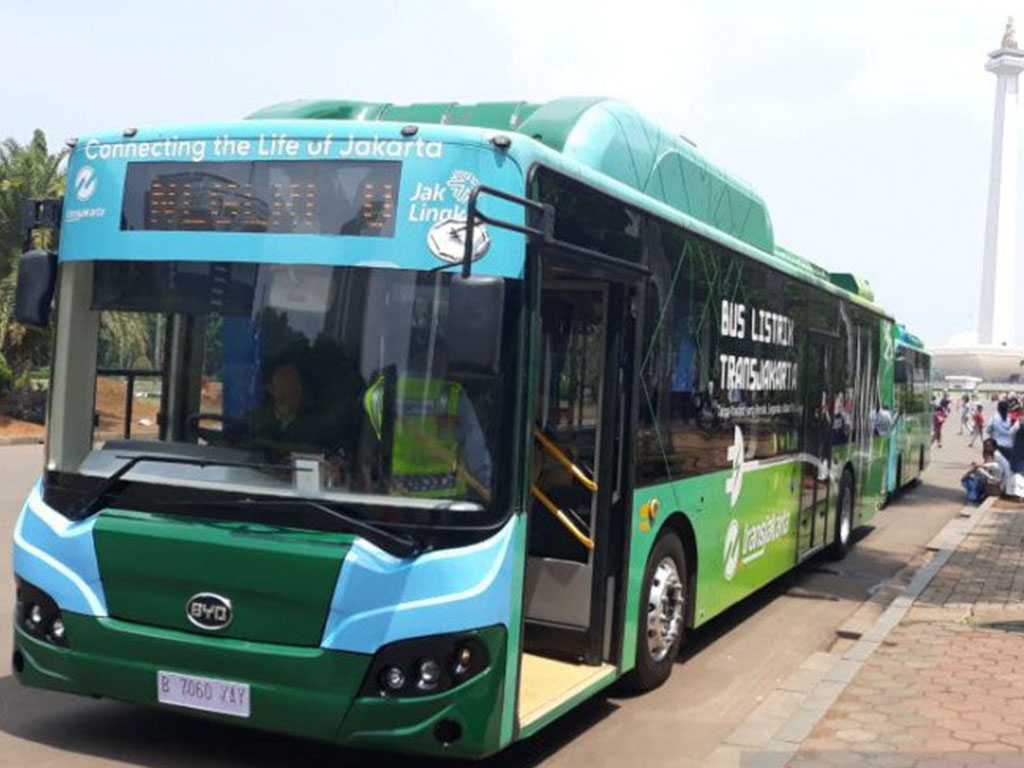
{"x":991,"y":354}
{"x":998,"y":279}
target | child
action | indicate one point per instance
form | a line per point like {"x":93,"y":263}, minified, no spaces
{"x":938,"y":419}
{"x":977,"y":423}
{"x":989,"y":477}
{"x":965,"y":415}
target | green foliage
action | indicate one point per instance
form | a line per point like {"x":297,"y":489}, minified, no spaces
{"x":6,"y":376}
{"x":212,"y":347}
{"x":26,"y":171}
{"x":126,"y":339}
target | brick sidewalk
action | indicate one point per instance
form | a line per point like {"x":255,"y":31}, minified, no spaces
{"x":946,"y":686}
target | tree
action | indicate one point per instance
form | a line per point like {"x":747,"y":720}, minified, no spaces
{"x":26,"y":171}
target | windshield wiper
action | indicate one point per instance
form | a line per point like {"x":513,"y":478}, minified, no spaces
{"x":400,"y":546}
{"x":392,"y":543}
{"x":92,"y":503}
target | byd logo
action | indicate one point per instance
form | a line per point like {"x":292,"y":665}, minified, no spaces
{"x":209,"y":611}
{"x":85,"y":183}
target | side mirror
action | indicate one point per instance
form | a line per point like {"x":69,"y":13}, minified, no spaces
{"x":37,"y":280}
{"x":475,"y":309}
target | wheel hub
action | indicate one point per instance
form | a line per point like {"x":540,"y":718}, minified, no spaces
{"x":664,"y":609}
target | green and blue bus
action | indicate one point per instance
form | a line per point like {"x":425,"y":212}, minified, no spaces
{"x":438,"y":419}
{"x":910,"y":440}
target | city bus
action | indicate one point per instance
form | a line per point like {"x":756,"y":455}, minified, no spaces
{"x":437,"y":419}
{"x":910,"y":440}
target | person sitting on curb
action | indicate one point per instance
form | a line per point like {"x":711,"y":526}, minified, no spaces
{"x":989,"y":477}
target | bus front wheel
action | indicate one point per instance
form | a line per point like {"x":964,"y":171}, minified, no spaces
{"x":661,"y":630}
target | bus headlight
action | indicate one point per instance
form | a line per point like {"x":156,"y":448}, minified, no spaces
{"x":463,"y":660}
{"x":424,"y":666}
{"x":392,"y":679}
{"x":57,"y":630}
{"x":429,"y":675}
{"x":36,"y":613}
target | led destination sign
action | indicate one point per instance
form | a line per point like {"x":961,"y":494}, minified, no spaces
{"x":332,"y":197}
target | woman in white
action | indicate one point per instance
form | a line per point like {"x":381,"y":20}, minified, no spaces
{"x":1002,"y":429}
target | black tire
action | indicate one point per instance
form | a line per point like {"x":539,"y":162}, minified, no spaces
{"x":899,"y":472}
{"x":844,"y":510}
{"x":653,"y":667}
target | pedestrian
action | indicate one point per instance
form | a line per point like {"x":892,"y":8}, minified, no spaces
{"x":965,"y":415}
{"x":989,"y":477}
{"x":1013,"y":483}
{"x":977,"y":423}
{"x":1015,"y":408}
{"x":938,"y":419}
{"x":1002,"y":428}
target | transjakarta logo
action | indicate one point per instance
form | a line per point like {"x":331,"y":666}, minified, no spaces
{"x":732,"y":549}
{"x":85,"y":183}
{"x":734,"y":483}
{"x":754,"y":541}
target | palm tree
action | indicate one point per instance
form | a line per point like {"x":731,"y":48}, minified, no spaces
{"x":26,"y":171}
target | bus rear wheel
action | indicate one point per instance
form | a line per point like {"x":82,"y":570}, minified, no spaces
{"x":844,"y":519}
{"x":661,"y":624}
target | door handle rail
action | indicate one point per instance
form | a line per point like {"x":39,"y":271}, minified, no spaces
{"x":556,"y":453}
{"x":562,"y":518}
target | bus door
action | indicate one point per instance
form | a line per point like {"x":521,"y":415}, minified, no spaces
{"x":578,"y":478}
{"x":816,"y":444}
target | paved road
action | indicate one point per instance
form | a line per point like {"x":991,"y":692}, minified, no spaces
{"x":729,"y":666}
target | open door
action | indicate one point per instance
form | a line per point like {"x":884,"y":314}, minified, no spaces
{"x":580,"y":463}
{"x":579,"y":487}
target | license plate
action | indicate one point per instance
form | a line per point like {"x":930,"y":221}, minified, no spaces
{"x":204,"y":693}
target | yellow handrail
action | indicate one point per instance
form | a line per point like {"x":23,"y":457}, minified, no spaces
{"x":561,"y":517}
{"x":564,"y":460}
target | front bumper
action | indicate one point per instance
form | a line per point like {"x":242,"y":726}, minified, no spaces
{"x":311,"y":692}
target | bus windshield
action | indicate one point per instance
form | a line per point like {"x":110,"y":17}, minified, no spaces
{"x":337,"y":383}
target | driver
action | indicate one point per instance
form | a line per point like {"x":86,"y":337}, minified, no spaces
{"x":285,"y":416}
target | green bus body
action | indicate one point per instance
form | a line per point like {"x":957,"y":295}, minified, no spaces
{"x":756,"y":390}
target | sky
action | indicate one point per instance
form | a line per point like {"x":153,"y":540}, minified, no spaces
{"x":866,"y":125}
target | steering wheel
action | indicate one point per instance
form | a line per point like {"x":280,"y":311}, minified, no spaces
{"x":232,"y":430}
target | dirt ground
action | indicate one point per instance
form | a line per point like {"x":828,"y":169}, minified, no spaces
{"x":110,"y":394}
{"x":14,"y":428}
